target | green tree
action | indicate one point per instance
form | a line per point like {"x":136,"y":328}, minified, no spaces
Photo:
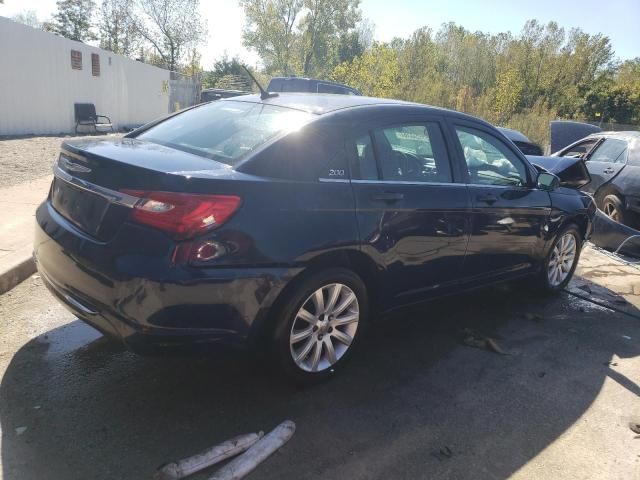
{"x":508,"y":93}
{"x":228,"y":73}
{"x":374,"y":73}
{"x":73,"y":20}
{"x":270,"y":31}
{"x":321,"y":29}
{"x":306,"y":37}
{"x":117,"y":28}
{"x":171,"y":27}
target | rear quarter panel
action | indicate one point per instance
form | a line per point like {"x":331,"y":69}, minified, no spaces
{"x":285,"y":222}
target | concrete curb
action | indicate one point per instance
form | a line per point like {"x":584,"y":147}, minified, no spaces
{"x":16,"y":273}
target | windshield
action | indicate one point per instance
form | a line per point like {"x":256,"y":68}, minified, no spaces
{"x":226,"y":131}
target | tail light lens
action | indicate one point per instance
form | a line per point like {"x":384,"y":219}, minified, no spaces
{"x":182,"y":215}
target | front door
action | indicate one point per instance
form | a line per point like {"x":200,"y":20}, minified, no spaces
{"x":413,"y":219}
{"x":509,"y":213}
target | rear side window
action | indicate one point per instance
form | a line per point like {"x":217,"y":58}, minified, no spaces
{"x":612,"y":150}
{"x":289,"y":85}
{"x":226,"y":131}
{"x":335,"y":89}
{"x":365,"y":167}
{"x":412,"y":153}
{"x":402,"y":153}
{"x":489,"y":160}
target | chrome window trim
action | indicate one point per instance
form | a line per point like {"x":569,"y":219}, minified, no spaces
{"x":112,"y":196}
{"x":400,"y":182}
{"x":518,"y":187}
{"x":440,"y":184}
{"x":333,"y":180}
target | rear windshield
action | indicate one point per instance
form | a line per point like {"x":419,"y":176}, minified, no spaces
{"x":225,"y":131}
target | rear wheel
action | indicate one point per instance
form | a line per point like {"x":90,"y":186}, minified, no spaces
{"x":613,"y":207}
{"x":320,"y":324}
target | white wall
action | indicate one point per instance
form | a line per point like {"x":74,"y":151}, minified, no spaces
{"x":38,"y":87}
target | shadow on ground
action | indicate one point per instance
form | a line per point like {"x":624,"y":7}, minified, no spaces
{"x":415,"y":402}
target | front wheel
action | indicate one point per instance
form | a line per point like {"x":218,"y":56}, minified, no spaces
{"x":562,"y":259}
{"x":319,"y":324}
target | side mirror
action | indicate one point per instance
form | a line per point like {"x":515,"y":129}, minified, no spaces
{"x":548,"y":181}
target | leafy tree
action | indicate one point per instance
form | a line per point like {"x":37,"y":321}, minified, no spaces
{"x":508,"y":93}
{"x":28,"y":17}
{"x":522,"y":81}
{"x":73,"y":20}
{"x":307,"y":37}
{"x":320,"y":29}
{"x":375,"y":73}
{"x":270,"y":31}
{"x":355,"y":42}
{"x":171,"y":27}
{"x":118,"y":30}
{"x":228,"y":73}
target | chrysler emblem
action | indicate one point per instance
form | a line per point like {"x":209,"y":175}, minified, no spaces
{"x":72,"y":166}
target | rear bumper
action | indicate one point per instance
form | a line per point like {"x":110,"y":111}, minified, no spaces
{"x":129,"y":289}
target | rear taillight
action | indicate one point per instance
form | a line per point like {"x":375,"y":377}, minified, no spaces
{"x":182,"y":215}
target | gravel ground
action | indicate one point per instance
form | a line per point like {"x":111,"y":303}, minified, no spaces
{"x":27,"y":158}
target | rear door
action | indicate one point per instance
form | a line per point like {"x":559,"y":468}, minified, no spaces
{"x":605,"y":161}
{"x":509,"y":212}
{"x":412,"y":217}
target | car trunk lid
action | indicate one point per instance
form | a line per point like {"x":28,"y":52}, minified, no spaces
{"x":93,"y":176}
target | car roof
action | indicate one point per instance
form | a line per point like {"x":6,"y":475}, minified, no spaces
{"x":309,"y":79}
{"x":514,"y":135}
{"x":322,"y":103}
{"x":624,"y":135}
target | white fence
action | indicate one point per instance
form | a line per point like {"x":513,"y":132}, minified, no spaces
{"x":39,"y":84}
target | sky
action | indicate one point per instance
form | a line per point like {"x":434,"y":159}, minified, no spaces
{"x":618,"y":19}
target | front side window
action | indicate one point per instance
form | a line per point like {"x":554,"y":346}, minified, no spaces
{"x":412,"y":153}
{"x":489,"y":160}
{"x":612,"y":150}
{"x":226,"y":131}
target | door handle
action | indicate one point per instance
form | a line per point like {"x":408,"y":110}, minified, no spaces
{"x":389,"y":197}
{"x":487,"y":198}
{"x":608,"y":170}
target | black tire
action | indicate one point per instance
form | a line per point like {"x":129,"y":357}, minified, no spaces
{"x":542,"y":280}
{"x":613,"y":207}
{"x":286,"y":314}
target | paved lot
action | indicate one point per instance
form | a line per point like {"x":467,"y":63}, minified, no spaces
{"x":25,"y":177}
{"x":416,"y":403}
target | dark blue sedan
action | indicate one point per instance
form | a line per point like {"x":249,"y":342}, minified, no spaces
{"x":288,"y":221}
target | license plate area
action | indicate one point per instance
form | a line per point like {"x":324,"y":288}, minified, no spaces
{"x":84,"y":209}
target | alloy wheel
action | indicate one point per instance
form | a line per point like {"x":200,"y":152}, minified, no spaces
{"x":324,"y":327}
{"x":562,"y":258}
{"x":611,"y":211}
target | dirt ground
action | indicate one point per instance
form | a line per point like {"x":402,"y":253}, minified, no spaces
{"x":27,"y":158}
{"x":415,"y":403}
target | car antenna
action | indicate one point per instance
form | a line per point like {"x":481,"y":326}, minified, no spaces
{"x":263,"y":93}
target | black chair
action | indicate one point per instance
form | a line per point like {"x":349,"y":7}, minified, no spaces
{"x":86,"y":115}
